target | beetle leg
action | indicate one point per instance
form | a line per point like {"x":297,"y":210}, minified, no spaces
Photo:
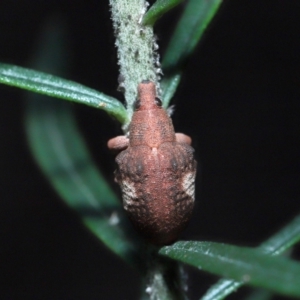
{"x":183,"y":138}
{"x":118,"y":143}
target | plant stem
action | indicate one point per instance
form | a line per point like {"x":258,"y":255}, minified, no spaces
{"x":139,"y":61}
{"x":136,"y":48}
{"x":164,"y":278}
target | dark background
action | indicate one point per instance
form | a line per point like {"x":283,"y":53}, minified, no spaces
{"x":239,"y":100}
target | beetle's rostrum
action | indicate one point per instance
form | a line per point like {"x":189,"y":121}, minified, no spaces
{"x":156,"y":170}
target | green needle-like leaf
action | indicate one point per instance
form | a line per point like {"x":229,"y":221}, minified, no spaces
{"x":57,"y":87}
{"x":196,"y":16}
{"x":188,"y":32}
{"x":62,"y":155}
{"x":169,"y":86}
{"x":158,"y":9}
{"x":275,"y":245}
{"x":241,"y":264}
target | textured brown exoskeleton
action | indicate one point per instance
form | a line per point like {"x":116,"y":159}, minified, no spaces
{"x":156,"y":170}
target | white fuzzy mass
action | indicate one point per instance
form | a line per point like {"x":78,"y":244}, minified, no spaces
{"x":136,"y":47}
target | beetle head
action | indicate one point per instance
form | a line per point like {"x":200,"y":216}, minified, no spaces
{"x":147,"y":97}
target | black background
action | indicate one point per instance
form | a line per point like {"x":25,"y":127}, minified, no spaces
{"x":239,"y":100}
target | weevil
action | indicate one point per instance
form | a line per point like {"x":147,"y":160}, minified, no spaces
{"x":156,"y":170}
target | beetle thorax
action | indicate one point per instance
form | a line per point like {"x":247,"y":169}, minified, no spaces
{"x":151,"y":127}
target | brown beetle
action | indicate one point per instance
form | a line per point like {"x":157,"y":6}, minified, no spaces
{"x":156,"y":170}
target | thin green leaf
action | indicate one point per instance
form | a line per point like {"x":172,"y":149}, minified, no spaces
{"x":275,"y":245}
{"x":188,"y":32}
{"x":169,"y":87}
{"x":57,"y":87}
{"x":196,"y":16}
{"x":241,"y":264}
{"x":284,"y":239}
{"x":64,"y":159}
{"x":158,"y":9}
